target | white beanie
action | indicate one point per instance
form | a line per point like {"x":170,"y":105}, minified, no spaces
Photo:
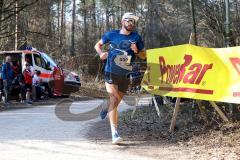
{"x":130,"y":15}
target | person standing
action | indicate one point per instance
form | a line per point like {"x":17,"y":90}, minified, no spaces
{"x":27,"y":74}
{"x":58,"y":77}
{"x":7,"y":77}
{"x":124,"y":46}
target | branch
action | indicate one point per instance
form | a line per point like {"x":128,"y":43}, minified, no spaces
{"x":13,"y":33}
{"x":9,"y":35}
{"x":21,"y":8}
{"x":35,"y":32}
{"x":10,"y":4}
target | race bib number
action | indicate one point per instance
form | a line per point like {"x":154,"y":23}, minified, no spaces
{"x":123,"y":61}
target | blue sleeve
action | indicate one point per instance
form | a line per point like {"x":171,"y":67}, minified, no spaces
{"x":3,"y":67}
{"x":3,"y":71}
{"x":105,"y":37}
{"x":140,"y":44}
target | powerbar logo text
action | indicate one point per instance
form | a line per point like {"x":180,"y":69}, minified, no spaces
{"x":186,"y":73}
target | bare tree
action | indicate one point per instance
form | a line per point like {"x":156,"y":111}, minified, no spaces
{"x":72,"y":50}
{"x":85,"y":25}
{"x":61,"y":23}
{"x":16,"y":25}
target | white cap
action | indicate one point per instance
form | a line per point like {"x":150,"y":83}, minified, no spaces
{"x":130,"y":15}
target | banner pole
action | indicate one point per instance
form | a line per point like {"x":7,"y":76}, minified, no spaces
{"x":194,"y":35}
{"x":175,"y":113}
{"x":222,"y":115}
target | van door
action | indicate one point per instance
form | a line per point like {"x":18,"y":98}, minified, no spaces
{"x":42,"y":65}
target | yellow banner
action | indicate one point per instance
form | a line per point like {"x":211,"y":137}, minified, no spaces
{"x":194,"y":72}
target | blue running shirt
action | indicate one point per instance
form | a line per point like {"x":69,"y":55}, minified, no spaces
{"x":120,"y":55}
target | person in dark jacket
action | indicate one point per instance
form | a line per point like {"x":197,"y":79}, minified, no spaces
{"x":7,"y":77}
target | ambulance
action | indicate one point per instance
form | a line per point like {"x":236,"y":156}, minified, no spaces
{"x":59,"y":80}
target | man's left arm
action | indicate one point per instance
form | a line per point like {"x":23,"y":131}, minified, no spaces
{"x":138,"y":49}
{"x":142,"y":54}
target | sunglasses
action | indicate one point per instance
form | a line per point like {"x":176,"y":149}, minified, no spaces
{"x":132,"y":21}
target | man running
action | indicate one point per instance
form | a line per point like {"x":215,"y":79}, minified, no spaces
{"x":124,"y":46}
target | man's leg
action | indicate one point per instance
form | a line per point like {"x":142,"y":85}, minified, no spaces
{"x":120,"y":94}
{"x":23,"y":92}
{"x":115,"y":98}
{"x":6,"y":90}
{"x":29,"y":89}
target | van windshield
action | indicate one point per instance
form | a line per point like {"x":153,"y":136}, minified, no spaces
{"x":49,"y":59}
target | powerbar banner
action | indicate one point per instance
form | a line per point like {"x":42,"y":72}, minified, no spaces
{"x":190,"y":71}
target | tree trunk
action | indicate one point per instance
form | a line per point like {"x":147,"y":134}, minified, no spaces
{"x":72,"y":50}
{"x":62,"y":24}
{"x":16,"y":25}
{"x":94,"y":23}
{"x":107,"y":19}
{"x":85,"y":38}
{"x":49,"y":23}
{"x":1,"y":12}
{"x":58,"y":21}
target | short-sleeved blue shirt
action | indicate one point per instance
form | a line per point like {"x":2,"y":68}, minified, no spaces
{"x":120,"y":55}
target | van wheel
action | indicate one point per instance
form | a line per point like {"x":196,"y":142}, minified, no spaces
{"x":65,"y":96}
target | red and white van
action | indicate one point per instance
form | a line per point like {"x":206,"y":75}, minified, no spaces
{"x":60,"y":81}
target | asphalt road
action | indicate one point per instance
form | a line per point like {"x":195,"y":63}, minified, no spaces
{"x":37,"y":133}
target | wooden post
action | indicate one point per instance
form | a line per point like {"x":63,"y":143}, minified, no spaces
{"x":156,"y":106}
{"x":202,"y":110}
{"x":133,"y":112}
{"x":222,"y":115}
{"x":135,"y":106}
{"x":175,"y":113}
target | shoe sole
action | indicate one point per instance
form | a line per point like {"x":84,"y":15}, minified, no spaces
{"x":117,"y":141}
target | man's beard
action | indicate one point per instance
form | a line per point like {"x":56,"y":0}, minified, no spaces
{"x":130,"y":29}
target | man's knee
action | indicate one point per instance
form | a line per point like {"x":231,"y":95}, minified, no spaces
{"x":114,"y":100}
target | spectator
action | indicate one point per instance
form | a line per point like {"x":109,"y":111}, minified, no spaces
{"x":18,"y":83}
{"x":37,"y":84}
{"x":7,"y":77}
{"x":29,"y":61}
{"x":58,"y":77}
{"x":22,"y":87}
{"x":27,"y":74}
{"x":16,"y":68}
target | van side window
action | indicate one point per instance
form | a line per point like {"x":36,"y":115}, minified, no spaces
{"x":28,"y":58}
{"x":39,"y":61}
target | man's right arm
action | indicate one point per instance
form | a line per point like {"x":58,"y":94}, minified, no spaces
{"x":98,"y":48}
{"x":3,"y":72}
{"x":3,"y":68}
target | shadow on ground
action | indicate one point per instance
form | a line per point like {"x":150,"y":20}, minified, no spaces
{"x":146,"y":128}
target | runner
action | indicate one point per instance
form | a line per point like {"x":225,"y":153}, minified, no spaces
{"x":125,"y":44}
